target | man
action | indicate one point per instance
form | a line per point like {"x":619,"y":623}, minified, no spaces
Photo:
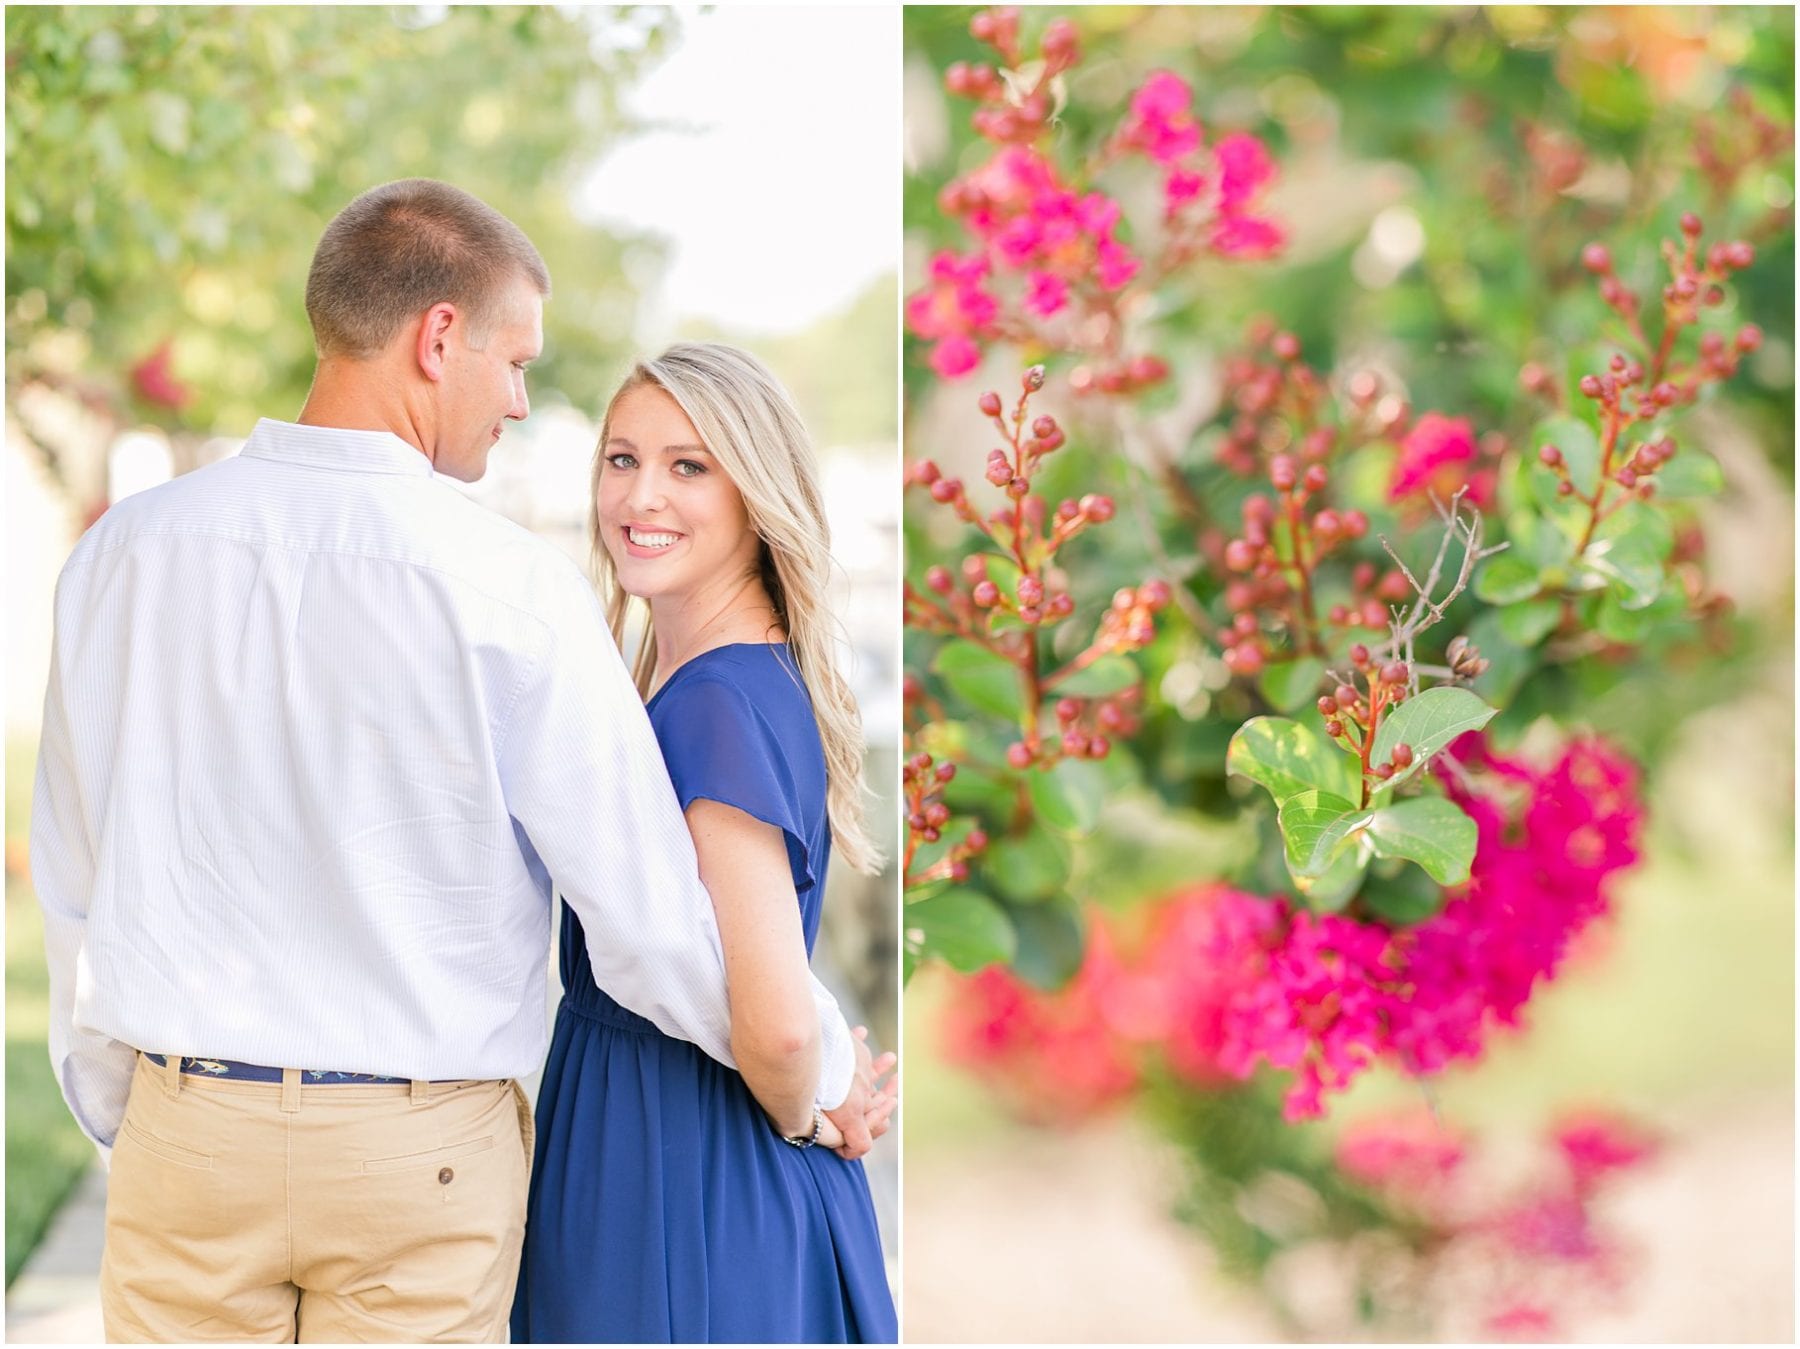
{"x":320,"y":737}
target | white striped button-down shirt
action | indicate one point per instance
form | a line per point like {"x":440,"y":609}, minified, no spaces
{"x":321,"y":736}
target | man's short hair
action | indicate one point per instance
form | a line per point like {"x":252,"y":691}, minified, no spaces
{"x":402,"y":247}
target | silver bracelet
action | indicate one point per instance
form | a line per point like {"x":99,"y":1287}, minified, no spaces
{"x":804,"y":1140}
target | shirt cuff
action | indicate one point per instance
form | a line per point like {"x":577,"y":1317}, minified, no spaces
{"x":837,"y":1064}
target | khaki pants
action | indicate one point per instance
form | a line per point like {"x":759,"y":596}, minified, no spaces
{"x":258,"y":1211}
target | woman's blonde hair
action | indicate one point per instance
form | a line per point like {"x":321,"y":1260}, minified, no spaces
{"x":749,"y":422}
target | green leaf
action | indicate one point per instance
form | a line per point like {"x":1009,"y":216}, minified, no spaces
{"x":961,"y":927}
{"x":1051,"y":944}
{"x":1691,"y":473}
{"x":1314,"y":825}
{"x":1106,"y":676}
{"x":1292,"y":684}
{"x":1630,"y":562}
{"x":1068,"y":797}
{"x":1507,"y":579}
{"x":1408,"y":897}
{"x":1005,"y":573}
{"x":1530,"y":621}
{"x":1028,"y":867}
{"x":1427,"y":722}
{"x":1580,"y":449}
{"x":1331,"y":891}
{"x":1287,"y":758}
{"x":1430,"y":830}
{"x":984,"y":679}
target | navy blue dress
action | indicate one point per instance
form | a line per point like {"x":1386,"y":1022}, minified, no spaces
{"x":663,"y":1205}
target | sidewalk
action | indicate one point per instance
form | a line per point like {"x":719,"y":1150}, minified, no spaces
{"x":56,"y":1298}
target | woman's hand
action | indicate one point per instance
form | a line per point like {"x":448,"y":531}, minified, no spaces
{"x":884,"y":1097}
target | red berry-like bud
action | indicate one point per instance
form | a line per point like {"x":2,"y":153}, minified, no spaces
{"x":1282,"y":473}
{"x":1403,"y":756}
{"x":959,"y":870}
{"x":1019,"y":754}
{"x":1384,"y":771}
{"x":1665,"y":393}
{"x":1334,"y":728}
{"x":1316,"y":477}
{"x":1626,"y":478}
{"x":946,"y":771}
{"x":1550,"y":456}
{"x":1062,"y":604}
{"x":1033,"y":379}
{"x":1030,"y":613}
{"x":1240,"y":555}
{"x":1245,"y":623}
{"x":1373,"y":615}
{"x":937,"y":814}
{"x":1686,"y":288}
{"x":1338,"y":614}
{"x":976,"y":841}
{"x":1565,"y":488}
{"x":1018,"y":487}
{"x":1749,"y":337}
{"x":1345,"y":695}
{"x":1327,"y":706}
{"x":1074,"y":744}
{"x":1356,"y":524}
{"x":1285,"y":346}
{"x":1259,"y":509}
{"x":1099,"y":509}
{"x":1326,"y":524}
{"x":940,"y":580}
{"x":1690,"y":223}
{"x":1060,"y":42}
{"x":986,"y":594}
{"x":989,"y":403}
{"x":1244,"y":659}
{"x":1617,"y":363}
{"x":1597,"y":258}
{"x":1067,"y":709}
{"x":1043,"y":427}
{"x":1359,"y":656}
{"x":1394,"y":672}
{"x":1739,"y":254}
{"x":1590,"y":386}
{"x":1155,"y":593}
{"x":925,"y":472}
{"x":1098,"y":747}
{"x":915,"y":821}
{"x":999,"y":472}
{"x":931,"y":835}
{"x":1031,"y":590}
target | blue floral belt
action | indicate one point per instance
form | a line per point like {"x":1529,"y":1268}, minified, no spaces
{"x":255,"y":1072}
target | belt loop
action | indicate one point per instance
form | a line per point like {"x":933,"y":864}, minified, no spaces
{"x":172,"y":1075}
{"x":420,"y":1091}
{"x":290,"y":1091}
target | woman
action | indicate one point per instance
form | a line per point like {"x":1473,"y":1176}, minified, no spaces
{"x":674,"y":1199}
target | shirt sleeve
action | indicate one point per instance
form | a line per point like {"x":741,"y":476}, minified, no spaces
{"x":584,"y":778}
{"x":92,"y":1070}
{"x":718,"y":748}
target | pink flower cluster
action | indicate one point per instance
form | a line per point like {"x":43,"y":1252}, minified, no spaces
{"x":1227,"y":981}
{"x":1221,"y":186}
{"x":1538,"y":1248}
{"x":952,"y":311}
{"x":1438,"y":456}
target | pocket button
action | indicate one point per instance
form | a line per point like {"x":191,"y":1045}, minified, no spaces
{"x":446,"y":1176}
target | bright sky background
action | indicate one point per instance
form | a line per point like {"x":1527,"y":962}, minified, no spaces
{"x":778,"y":183}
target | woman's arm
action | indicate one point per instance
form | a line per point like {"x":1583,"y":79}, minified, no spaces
{"x":774,"y":1023}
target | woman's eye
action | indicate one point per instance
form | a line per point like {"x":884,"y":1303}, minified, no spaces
{"x":687,"y":468}
{"x":621,"y":461}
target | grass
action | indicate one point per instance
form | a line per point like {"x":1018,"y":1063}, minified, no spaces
{"x":45,"y":1152}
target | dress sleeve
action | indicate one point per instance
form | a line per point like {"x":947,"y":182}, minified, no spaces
{"x":719,"y":747}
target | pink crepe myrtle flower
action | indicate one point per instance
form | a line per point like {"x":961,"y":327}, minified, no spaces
{"x":1160,"y":122}
{"x":1438,"y":456}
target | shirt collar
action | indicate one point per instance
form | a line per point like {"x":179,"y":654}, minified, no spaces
{"x":335,"y":448}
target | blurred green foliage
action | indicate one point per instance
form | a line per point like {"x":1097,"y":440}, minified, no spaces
{"x":169,"y":171}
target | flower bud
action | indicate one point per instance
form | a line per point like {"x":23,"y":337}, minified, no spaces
{"x":1044,"y":427}
{"x":959,"y":870}
{"x":999,"y":472}
{"x":1282,"y":473}
{"x":1285,"y":346}
{"x":946,"y":489}
{"x":1739,"y":254}
{"x":1749,"y":337}
{"x":989,"y":403}
{"x":1067,"y":709}
{"x":1359,"y":656}
{"x":986,"y":594}
{"x":1034,"y":379}
{"x":976,"y":841}
{"x":1394,"y":672}
{"x":1240,"y":555}
{"x":1403,"y":756}
{"x":1030,"y":613}
{"x":1690,"y":223}
{"x":1327,"y":706}
{"x":946,"y":771}
{"x":1597,"y":258}
{"x":1019,"y":754}
{"x":925,"y":472}
{"x":940,"y":580}
{"x":1565,"y":488}
{"x":937,"y":814}
{"x":1316,"y":478}
{"x":1074,"y":744}
{"x":1590,"y":386}
{"x":1098,"y":747}
{"x":1334,"y":728}
{"x":1384,"y":771}
{"x":1345,"y":695}
{"x":1099,"y":509}
{"x":1550,"y":456}
{"x":1244,"y":659}
{"x":1356,"y":524}
{"x":1326,"y":524}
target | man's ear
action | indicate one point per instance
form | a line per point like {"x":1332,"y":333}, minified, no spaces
{"x":434,"y":331}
